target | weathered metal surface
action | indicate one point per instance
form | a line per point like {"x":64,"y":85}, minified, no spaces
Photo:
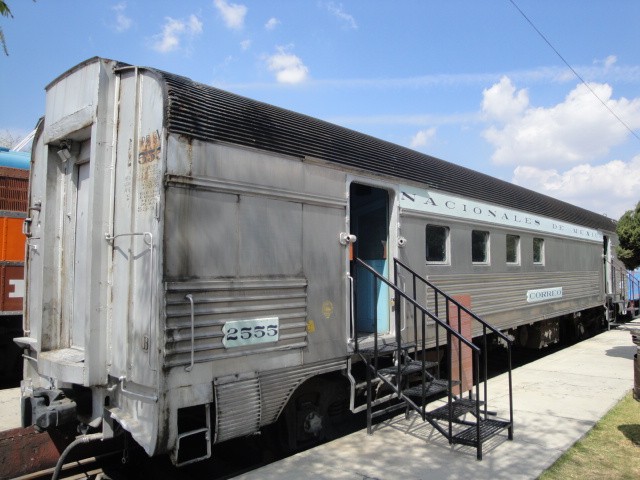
{"x":25,"y":450}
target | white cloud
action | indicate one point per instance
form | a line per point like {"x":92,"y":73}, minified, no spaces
{"x":173,"y":32}
{"x":232,"y":13}
{"x":288,"y":67}
{"x":245,"y":44}
{"x":502,"y":103}
{"x":272,"y":23}
{"x":610,"y":61}
{"x":123,"y":22}
{"x":610,"y":188}
{"x":338,"y":11}
{"x":577,"y":130}
{"x":423,"y":138}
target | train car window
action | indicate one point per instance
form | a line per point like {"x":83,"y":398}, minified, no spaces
{"x":437,"y":244}
{"x":513,"y":249}
{"x":479,"y":246}
{"x":538,"y":251}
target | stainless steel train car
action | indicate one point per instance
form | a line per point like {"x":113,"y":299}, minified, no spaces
{"x":190,"y":269}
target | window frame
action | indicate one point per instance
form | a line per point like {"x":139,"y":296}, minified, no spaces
{"x":447,"y":245}
{"x":487,"y":244}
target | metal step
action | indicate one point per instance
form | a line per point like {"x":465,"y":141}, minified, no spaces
{"x":432,"y":388}
{"x":488,"y":429}
{"x":459,"y":407}
{"x":413,"y":366}
{"x":385,"y":348}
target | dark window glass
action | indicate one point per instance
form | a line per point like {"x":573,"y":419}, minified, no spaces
{"x":513,"y":249}
{"x":437,"y":243}
{"x":479,"y":246}
{"x":538,"y":250}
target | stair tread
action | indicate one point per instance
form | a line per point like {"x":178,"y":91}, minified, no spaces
{"x":413,"y":366}
{"x":385,"y":348}
{"x":488,"y":429}
{"x":459,"y":407}
{"x":431,"y":388}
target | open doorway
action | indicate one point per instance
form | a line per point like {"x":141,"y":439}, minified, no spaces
{"x":369,"y":221}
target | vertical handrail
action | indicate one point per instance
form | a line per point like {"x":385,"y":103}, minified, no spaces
{"x":449,"y":389}
{"x":375,"y":322}
{"x":510,"y":394}
{"x":190,"y":298}
{"x":352,"y":317}
{"x":477,"y":406}
{"x":485,"y":356}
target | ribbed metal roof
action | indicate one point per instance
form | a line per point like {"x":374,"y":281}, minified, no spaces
{"x":210,"y":114}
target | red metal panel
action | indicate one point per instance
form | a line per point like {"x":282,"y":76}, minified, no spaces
{"x":467,"y":356}
{"x":11,"y":288}
{"x":11,"y":239}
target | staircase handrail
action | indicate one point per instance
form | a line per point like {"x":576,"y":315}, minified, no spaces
{"x":455,"y":302}
{"x":418,"y":306}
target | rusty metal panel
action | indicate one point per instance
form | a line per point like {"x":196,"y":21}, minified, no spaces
{"x":25,"y":450}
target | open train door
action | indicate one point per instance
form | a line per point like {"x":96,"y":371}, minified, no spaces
{"x":369,"y":222}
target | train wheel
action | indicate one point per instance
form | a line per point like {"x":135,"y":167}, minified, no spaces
{"x":314,"y":414}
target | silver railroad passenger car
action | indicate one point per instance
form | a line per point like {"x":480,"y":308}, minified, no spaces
{"x":189,"y":268}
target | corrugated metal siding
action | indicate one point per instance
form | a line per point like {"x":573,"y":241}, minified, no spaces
{"x":217,"y":302}
{"x":494,"y":293}
{"x":209,"y":114}
{"x":237,"y":409}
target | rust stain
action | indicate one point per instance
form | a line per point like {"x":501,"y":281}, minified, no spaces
{"x":149,"y":148}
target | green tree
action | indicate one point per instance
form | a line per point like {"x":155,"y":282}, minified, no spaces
{"x":628,"y":230}
{"x":5,"y":12}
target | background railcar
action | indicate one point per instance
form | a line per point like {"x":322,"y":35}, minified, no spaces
{"x":14,"y":185}
{"x":192,"y":269}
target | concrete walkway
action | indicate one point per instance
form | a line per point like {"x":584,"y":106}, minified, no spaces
{"x":556,"y":402}
{"x":9,"y":409}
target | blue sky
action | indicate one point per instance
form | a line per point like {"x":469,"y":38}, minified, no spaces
{"x":470,"y":82}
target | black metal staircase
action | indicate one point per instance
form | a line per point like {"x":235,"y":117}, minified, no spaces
{"x":400,"y":366}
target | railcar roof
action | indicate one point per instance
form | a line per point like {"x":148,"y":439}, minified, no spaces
{"x":210,"y":114}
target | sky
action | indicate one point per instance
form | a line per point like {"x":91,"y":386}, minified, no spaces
{"x":541,"y":93}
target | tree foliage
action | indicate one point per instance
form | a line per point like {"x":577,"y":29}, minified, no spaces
{"x":628,"y":230}
{"x":5,"y":12}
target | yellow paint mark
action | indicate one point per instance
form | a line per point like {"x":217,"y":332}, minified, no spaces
{"x":327,"y":309}
{"x":311,"y":326}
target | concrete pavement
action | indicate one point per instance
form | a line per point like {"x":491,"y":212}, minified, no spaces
{"x":557,"y":400}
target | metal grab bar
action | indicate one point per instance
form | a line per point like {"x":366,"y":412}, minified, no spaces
{"x":351,"y":308}
{"x":190,"y":298}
